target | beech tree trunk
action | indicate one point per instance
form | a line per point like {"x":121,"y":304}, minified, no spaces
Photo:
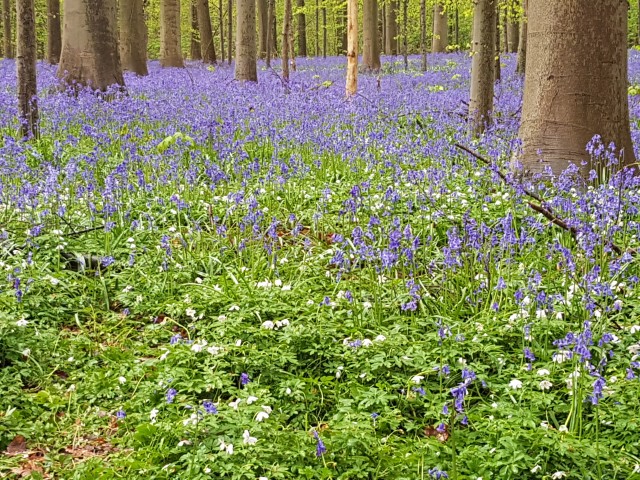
{"x":286,"y":40}
{"x":263,"y":27}
{"x":522,"y":41}
{"x":391,"y":21}
{"x":496,"y":60}
{"x":26,"y":66}
{"x":230,"y":29}
{"x":270,"y":13}
{"x":90,"y":55}
{"x":6,"y":23}
{"x":324,"y":30}
{"x":405,"y":45}
{"x":207,"y":46}
{"x":575,"y":84}
{"x":342,"y":28}
{"x":273,"y":32}
{"x":133,"y":37}
{"x":352,"y":48}
{"x":482,"y":64}
{"x":440,"y":29}
{"x":423,"y":34}
{"x":302,"y":30}
{"x":513,"y":28}
{"x":54,"y":32}
{"x":370,"y":44}
{"x":195,"y":50}
{"x":170,"y":50}
{"x":246,"y":51}
{"x":221,"y":19}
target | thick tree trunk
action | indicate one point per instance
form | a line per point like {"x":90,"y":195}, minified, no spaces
{"x":263,"y":27}
{"x":496,"y":65}
{"x":6,"y":23}
{"x":482,"y":64}
{"x":195,"y":50}
{"x":302,"y":30}
{"x":207,"y":46}
{"x":221,"y":20}
{"x":423,"y":34}
{"x":352,"y":48}
{"x":576,"y":83}
{"x":370,"y":48}
{"x":246,"y":51}
{"x":522,"y":41}
{"x":270,"y":12}
{"x":26,"y":66}
{"x":391,"y":20}
{"x":286,"y":40}
{"x":230,"y":29}
{"x":170,"y":50}
{"x":440,"y":29}
{"x":133,"y":37}
{"x":54,"y":32}
{"x":90,"y":53}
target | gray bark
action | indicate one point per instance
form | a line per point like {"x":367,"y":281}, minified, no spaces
{"x":302,"y":29}
{"x":133,"y":37}
{"x":370,"y":43}
{"x":207,"y":47}
{"x":440,"y":29}
{"x":54,"y":32}
{"x":6,"y":23}
{"x":246,"y":50}
{"x":482,"y":64}
{"x":170,"y":50}
{"x":391,"y":21}
{"x":26,"y":66}
{"x":263,"y":27}
{"x":522,"y":41}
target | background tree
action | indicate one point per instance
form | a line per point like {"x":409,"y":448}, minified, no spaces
{"x":207,"y":46}
{"x":6,"y":24}
{"x":575,"y":83}
{"x":522,"y":40}
{"x":513,"y":27}
{"x":133,"y":36}
{"x":302,"y":29}
{"x":246,"y":49}
{"x":89,"y":44}
{"x":263,"y":27}
{"x":286,"y":40}
{"x":370,"y":44}
{"x":26,"y":67}
{"x":54,"y":32}
{"x":391,"y":27}
{"x":230,"y":29}
{"x":440,"y":28}
{"x":195,"y":50}
{"x":352,"y":48}
{"x":482,"y":64}
{"x":170,"y":50}
{"x":423,"y":34}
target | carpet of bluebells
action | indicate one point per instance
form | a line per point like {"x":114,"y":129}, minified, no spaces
{"x":208,"y":279}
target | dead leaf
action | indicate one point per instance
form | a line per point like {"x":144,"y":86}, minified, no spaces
{"x":17,"y":446}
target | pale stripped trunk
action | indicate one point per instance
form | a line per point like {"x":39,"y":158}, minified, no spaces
{"x":26,"y":66}
{"x":440,"y":29}
{"x":246,"y":50}
{"x":54,"y":31}
{"x":352,"y":48}
{"x":170,"y":50}
{"x":482,"y":64}
{"x":133,"y":37}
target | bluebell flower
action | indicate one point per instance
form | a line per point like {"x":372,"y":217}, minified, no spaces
{"x":171,"y":395}
{"x":209,"y":407}
{"x":320,"y":447}
{"x":244,"y":379}
{"x":121,"y":414}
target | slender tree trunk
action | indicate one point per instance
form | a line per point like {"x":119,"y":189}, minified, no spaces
{"x":317,"y":28}
{"x":196,"y":50}
{"x":482,"y":64}
{"x":405,"y":45}
{"x":576,"y":83}
{"x":170,"y":51}
{"x":457,"y":28}
{"x":423,"y":34}
{"x":513,"y":29}
{"x":292,"y":52}
{"x":54,"y":33}
{"x":440,"y":29}
{"x":230,"y":29}
{"x":496,"y":68}
{"x":286,"y":41}
{"x":133,"y":37}
{"x":246,"y":51}
{"x":352,"y":48}
{"x":391,"y":20}
{"x":383,"y":18}
{"x":221,"y":19}
{"x":342,"y":31}
{"x":6,"y":21}
{"x":638,"y":20}
{"x":324,"y":30}
{"x":522,"y":42}
{"x":207,"y":46}
{"x":26,"y":66}
{"x":370,"y":49}
{"x":269,"y":37}
{"x":273,"y":30}
{"x":263,"y":27}
{"x":90,"y":45}
{"x":302,"y":30}
{"x":505,"y":29}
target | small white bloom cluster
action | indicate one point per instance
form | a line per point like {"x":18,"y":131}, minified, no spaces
{"x":269,"y":325}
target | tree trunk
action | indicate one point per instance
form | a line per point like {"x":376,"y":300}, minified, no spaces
{"x":221,"y":19}
{"x":513,"y":29}
{"x":286,"y":41}
{"x":6,"y":21}
{"x":383,"y":18}
{"x":505,"y":29}
{"x":196,"y":51}
{"x":268,"y":53}
{"x":423,"y":34}
{"x":54,"y":35}
{"x":352,"y":48}
{"x":405,"y":46}
{"x":391,"y":20}
{"x":482,"y":64}
{"x":246,"y":53}
{"x":440,"y":29}
{"x":496,"y":66}
{"x":207,"y":46}
{"x":273,"y":30}
{"x":26,"y":66}
{"x":317,"y":28}
{"x":90,"y":53}
{"x":324,"y":30}
{"x":230,"y":29}
{"x":522,"y":41}
{"x":170,"y":50}
{"x":133,"y":37}
{"x":456,"y":28}
{"x":342,"y":31}
{"x":302,"y":30}
{"x":576,"y":83}
{"x":263,"y":27}
{"x":370,"y":49}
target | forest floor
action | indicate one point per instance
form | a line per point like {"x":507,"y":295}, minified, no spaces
{"x":207,"y":279}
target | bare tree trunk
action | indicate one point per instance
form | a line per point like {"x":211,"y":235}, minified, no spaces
{"x":440,"y":29}
{"x":54,"y":33}
{"x":505,"y":29}
{"x":342,"y":31}
{"x":576,"y":83}
{"x":383,"y":19}
{"x":263,"y":27}
{"x":207,"y":46}
{"x":324,"y":30}
{"x":317,"y":28}
{"x":273,"y":30}
{"x":513,"y":29}
{"x":133,"y":37}
{"x":457,"y":28}
{"x":522,"y":43}
{"x":482,"y":64}
{"x":269,"y":38}
{"x":405,"y":46}
{"x":496,"y":67}
{"x":391,"y":20}
{"x":292,"y":52}
{"x":286,"y":41}
{"x":352,"y":48}
{"x":26,"y":66}
{"x":90,"y":53}
{"x":221,"y":19}
{"x":246,"y":52}
{"x":230,"y":29}
{"x":302,"y":30}
{"x":423,"y":34}
{"x":170,"y":51}
{"x":196,"y":51}
{"x":370,"y":49}
{"x":6,"y":20}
